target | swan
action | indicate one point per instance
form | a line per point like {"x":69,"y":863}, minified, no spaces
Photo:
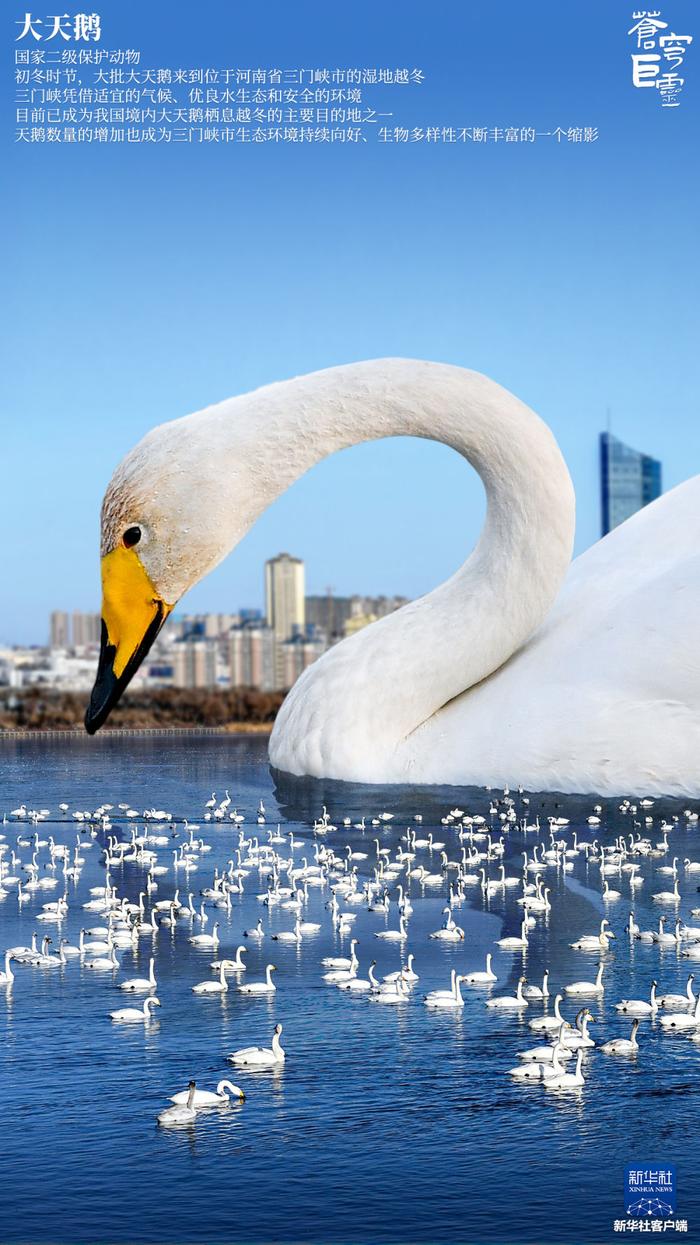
{"x":215,"y":987}
{"x":438,"y":994}
{"x":7,"y":977}
{"x":567,"y":1080}
{"x":623,"y":1046}
{"x":135,"y":1015}
{"x":573,"y":1038}
{"x":360,"y":984}
{"x":181,"y":1114}
{"x":289,"y":935}
{"x":682,"y":1020}
{"x":483,"y":977}
{"x":342,"y":961}
{"x":638,"y":1007}
{"x":260,"y":1056}
{"x":514,"y":943}
{"x":260,"y":987}
{"x":545,"y":1023}
{"x":446,"y":998}
{"x":594,"y":942}
{"x":394,"y":935}
{"x":587,"y":987}
{"x":680,"y":1000}
{"x":507,"y":1001}
{"x":449,"y":931}
{"x":546,"y":1065}
{"x":103,"y":963}
{"x":225,"y":1091}
{"x":546,"y":1054}
{"x":539,"y":992}
{"x":387,"y":994}
{"x":232,"y":966}
{"x":141,"y":983}
{"x":614,"y":713}
{"x":206,"y":940}
{"x":670,"y":897}
{"x":407,"y":973}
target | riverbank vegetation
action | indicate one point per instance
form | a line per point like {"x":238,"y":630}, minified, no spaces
{"x":39,"y":708}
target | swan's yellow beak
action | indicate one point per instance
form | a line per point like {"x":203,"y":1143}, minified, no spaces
{"x":132,"y":615}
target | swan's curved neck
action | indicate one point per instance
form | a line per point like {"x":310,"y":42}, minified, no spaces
{"x":250,"y":449}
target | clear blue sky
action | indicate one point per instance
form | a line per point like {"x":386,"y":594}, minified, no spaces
{"x":147,"y":282}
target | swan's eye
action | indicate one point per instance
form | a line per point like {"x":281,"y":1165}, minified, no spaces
{"x":131,"y":537}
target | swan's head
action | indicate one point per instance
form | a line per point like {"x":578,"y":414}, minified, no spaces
{"x":166,"y":522}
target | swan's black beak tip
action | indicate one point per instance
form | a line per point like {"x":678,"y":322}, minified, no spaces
{"x":106,"y":690}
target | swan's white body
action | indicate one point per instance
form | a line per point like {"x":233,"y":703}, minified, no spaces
{"x":519,"y":671}
{"x":260,"y":1056}
{"x":223,"y":1094}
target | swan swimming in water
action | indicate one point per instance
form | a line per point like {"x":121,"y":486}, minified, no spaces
{"x":225,"y":1091}
{"x":135,"y":1015}
{"x":260,"y":1056}
{"x":612,"y":671}
{"x":183,"y":1113}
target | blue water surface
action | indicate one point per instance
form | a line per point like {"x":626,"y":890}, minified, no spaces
{"x":387,"y":1124}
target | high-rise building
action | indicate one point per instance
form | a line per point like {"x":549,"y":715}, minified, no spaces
{"x":194,"y":663}
{"x":59,"y":636}
{"x":628,"y":481}
{"x":335,"y":616}
{"x":297,"y":654}
{"x":284,"y":604}
{"x":328,"y":613}
{"x":252,"y":656}
{"x":86,"y":629}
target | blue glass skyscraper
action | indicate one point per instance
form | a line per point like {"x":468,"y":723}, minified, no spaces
{"x":628,"y":481}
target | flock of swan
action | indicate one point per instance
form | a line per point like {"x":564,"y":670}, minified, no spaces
{"x":465,"y":861}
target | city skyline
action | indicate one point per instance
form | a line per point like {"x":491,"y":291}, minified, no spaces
{"x":264,"y":649}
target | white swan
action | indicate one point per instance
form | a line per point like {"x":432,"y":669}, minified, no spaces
{"x":623,"y":1046}
{"x":510,"y":1001}
{"x":435,"y":995}
{"x":407,"y":973}
{"x":206,"y":940}
{"x":135,"y":1015}
{"x":342,"y":961}
{"x":638,"y":1007}
{"x":594,"y":942}
{"x":682,"y":1020}
{"x":515,"y":943}
{"x":482,"y":977}
{"x":137,"y":984}
{"x":225,"y":1091}
{"x":260,"y":987}
{"x":547,"y":1064}
{"x":215,"y":987}
{"x":449,"y":931}
{"x":546,"y":1054}
{"x":7,"y":977}
{"x":185,"y":1113}
{"x":539,"y":992}
{"x":260,"y":1056}
{"x":394,"y":935}
{"x":587,"y":987}
{"x":546,"y":1023}
{"x":679,"y":1001}
{"x":613,"y":713}
{"x":446,"y":998}
{"x":567,"y":1080}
